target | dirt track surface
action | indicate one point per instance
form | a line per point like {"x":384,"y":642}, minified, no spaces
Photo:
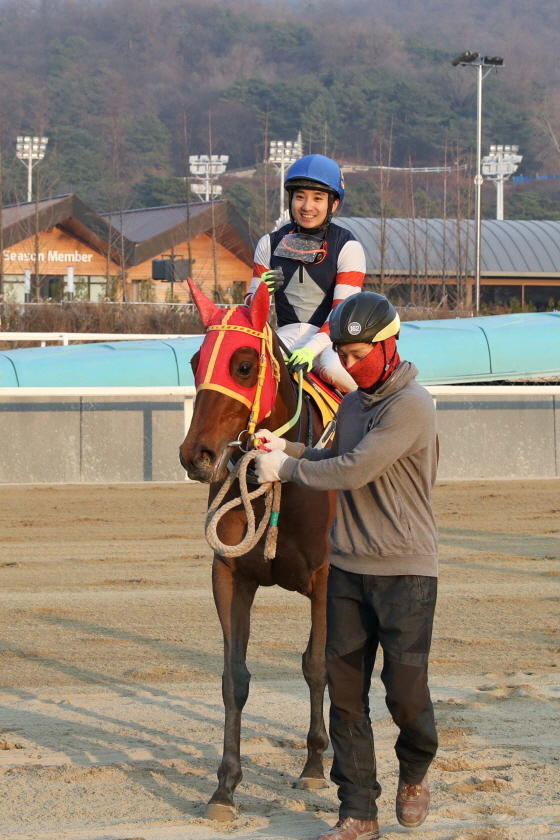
{"x":110,"y":657}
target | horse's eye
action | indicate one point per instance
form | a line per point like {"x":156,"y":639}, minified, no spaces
{"x":245,"y":369}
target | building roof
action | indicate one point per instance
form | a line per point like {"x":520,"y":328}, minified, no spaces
{"x":68,"y":212}
{"x":146,"y":232}
{"x":432,"y":246}
{"x":157,"y":229}
{"x":144,"y":223}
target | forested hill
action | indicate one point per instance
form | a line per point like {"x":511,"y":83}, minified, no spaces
{"x":125,"y":88}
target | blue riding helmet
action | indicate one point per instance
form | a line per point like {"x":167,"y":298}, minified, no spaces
{"x":313,"y":170}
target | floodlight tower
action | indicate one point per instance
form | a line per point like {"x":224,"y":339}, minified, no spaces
{"x":498,"y":166}
{"x":482,"y":63}
{"x":30,"y":150}
{"x":283,"y":153}
{"x":207,"y":168}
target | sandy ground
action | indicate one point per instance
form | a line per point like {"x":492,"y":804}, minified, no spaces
{"x":110,"y":654}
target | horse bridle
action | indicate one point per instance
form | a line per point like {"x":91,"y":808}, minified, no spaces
{"x":266,"y":351}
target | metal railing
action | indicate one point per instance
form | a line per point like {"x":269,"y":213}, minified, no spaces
{"x":99,"y":391}
{"x":66,"y":337}
{"x":190,"y":390}
{"x":492,"y":390}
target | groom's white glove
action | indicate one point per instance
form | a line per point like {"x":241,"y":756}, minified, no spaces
{"x":270,"y":441}
{"x":268,"y":466}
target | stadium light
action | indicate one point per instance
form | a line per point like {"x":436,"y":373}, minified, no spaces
{"x":30,"y":150}
{"x":207,"y":168}
{"x":283,"y":153}
{"x":486,"y":62}
{"x":497,"y":167}
{"x":465,"y":58}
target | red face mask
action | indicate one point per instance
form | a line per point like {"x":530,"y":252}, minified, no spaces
{"x":377,"y":366}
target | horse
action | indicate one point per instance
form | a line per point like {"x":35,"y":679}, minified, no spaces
{"x":240,"y":351}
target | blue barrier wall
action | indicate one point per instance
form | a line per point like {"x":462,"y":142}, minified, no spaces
{"x":445,"y":351}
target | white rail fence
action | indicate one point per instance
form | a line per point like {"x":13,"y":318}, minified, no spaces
{"x":113,"y":434}
{"x":66,"y":337}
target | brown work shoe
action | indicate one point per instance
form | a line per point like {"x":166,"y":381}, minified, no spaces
{"x":413,"y":802}
{"x":349,"y":828}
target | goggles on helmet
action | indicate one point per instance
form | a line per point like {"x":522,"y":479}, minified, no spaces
{"x":302,"y":247}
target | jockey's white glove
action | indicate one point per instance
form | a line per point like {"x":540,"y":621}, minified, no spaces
{"x":270,"y":441}
{"x":268,"y":466}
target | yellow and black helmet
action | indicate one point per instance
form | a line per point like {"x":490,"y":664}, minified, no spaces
{"x":364,"y":317}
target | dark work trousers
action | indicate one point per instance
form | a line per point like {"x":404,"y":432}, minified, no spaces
{"x":363,"y":612}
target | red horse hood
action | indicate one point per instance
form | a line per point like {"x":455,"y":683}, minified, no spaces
{"x":243,"y":326}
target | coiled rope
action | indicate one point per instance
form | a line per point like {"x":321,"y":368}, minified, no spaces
{"x":272,"y":492}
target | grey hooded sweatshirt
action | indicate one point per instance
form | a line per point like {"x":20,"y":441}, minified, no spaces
{"x":383,"y":463}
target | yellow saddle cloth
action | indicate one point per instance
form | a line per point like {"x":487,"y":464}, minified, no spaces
{"x":326,"y":400}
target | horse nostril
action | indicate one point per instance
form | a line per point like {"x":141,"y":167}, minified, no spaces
{"x":202,"y":458}
{"x":198,"y":461}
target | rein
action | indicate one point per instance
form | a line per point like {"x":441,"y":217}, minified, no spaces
{"x":272,"y":491}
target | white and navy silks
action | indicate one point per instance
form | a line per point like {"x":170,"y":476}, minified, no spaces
{"x":309,"y":293}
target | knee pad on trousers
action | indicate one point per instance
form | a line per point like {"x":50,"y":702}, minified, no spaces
{"x":407,"y":691}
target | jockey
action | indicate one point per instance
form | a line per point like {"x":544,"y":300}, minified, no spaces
{"x":310,"y":265}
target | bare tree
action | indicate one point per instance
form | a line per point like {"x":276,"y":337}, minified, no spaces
{"x":413,"y":240}
{"x":385,"y":161}
{"x":37,"y":278}
{"x":443,"y":300}
{"x":217,"y":291}
{"x":116,"y":286}
{"x":265,"y":162}
{"x":459,"y":235}
{"x":1,"y":224}
{"x":186,"y":167}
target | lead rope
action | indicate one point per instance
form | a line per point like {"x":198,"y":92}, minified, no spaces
{"x":272,"y":492}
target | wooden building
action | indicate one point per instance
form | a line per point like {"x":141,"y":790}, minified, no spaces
{"x":53,"y":245}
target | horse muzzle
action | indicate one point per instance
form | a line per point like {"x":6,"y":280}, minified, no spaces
{"x":204,"y":464}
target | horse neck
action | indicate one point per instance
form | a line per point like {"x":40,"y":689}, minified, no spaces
{"x":286,"y":400}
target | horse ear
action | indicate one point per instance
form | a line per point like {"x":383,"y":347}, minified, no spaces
{"x":207,"y":310}
{"x":260,"y":307}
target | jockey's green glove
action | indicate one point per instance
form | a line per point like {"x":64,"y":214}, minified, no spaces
{"x":301,"y":359}
{"x":274,"y":279}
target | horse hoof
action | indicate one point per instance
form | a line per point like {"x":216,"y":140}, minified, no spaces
{"x":221,"y":813}
{"x":310,"y":783}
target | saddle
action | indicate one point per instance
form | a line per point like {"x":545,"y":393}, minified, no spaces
{"x":325,"y":397}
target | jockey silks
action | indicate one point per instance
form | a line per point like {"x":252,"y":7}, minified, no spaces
{"x":308,"y":291}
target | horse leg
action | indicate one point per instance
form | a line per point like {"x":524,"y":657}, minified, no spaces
{"x":233,"y":597}
{"x":314,"y":671}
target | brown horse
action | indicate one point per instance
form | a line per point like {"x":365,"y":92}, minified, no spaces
{"x":233,"y":352}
